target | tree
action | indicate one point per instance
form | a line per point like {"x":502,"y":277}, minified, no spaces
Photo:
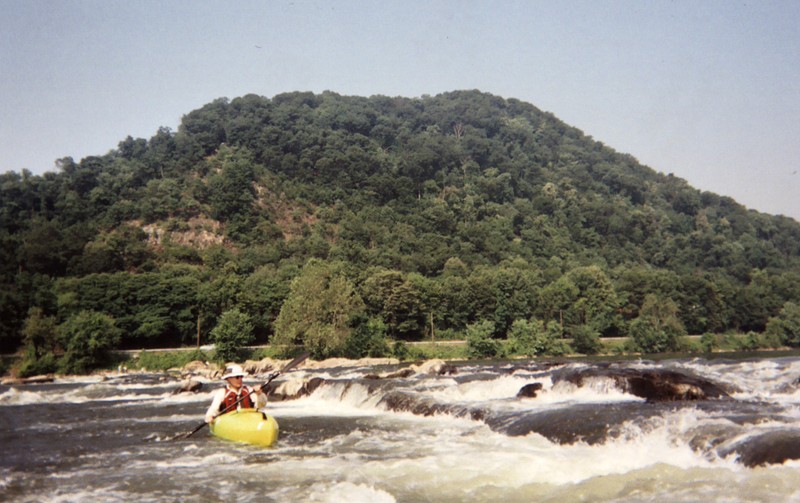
{"x":231,"y":190}
{"x":89,"y":337}
{"x":367,"y":338}
{"x":40,"y":337}
{"x":595,"y":302}
{"x":585,"y":339}
{"x":39,"y":333}
{"x":318,"y":310}
{"x":529,"y":338}
{"x":480,"y":343}
{"x":232,"y":333}
{"x":786,"y":325}
{"x":658,"y":327}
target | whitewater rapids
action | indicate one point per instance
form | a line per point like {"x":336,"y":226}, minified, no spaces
{"x":459,"y":437}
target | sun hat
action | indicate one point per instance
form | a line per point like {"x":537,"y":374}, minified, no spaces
{"x":233,"y":371}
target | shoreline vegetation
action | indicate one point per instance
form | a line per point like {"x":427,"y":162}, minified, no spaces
{"x":258,"y":358}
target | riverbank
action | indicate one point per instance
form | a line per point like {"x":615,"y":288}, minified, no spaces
{"x":613,"y":349}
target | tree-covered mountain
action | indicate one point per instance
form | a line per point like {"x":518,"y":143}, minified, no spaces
{"x":315,"y":217}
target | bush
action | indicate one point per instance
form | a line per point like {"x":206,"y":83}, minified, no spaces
{"x":786,"y":326}
{"x":89,"y":337}
{"x":586,"y":340}
{"x":32,"y":366}
{"x":233,"y":332}
{"x":480,"y":343}
{"x":528,"y":338}
{"x":709,"y":342}
{"x":658,"y":327}
{"x":367,"y":338}
{"x":400,"y":350}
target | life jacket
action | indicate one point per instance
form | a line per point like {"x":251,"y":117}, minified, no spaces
{"x":231,"y":397}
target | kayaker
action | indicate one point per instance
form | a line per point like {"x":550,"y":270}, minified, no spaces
{"x":225,"y":398}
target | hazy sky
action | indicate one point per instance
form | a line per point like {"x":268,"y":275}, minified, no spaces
{"x":708,"y":90}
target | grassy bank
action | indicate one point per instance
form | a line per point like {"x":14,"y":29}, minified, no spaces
{"x":158,"y":360}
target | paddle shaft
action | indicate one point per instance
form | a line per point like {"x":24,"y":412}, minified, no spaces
{"x":292,"y":364}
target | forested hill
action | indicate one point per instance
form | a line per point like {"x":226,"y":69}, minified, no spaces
{"x":420,"y":213}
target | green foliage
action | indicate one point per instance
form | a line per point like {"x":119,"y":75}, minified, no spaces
{"x":233,"y":331}
{"x":428,"y":351}
{"x":709,"y":342}
{"x":529,"y":338}
{"x":658,"y":327}
{"x":88,"y":337}
{"x":164,"y":360}
{"x":40,"y":337}
{"x":367,"y":338}
{"x":32,"y":366}
{"x":585,"y":340}
{"x":39,"y":334}
{"x":786,"y":325}
{"x":318,"y":310}
{"x":400,"y":350}
{"x":480,"y":343}
{"x":439,"y":212}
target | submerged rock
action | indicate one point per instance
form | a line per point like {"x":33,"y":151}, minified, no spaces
{"x":201,"y":368}
{"x":576,"y":423}
{"x":40,"y":379}
{"x":189,"y":386}
{"x":400,"y":401}
{"x":407,"y":372}
{"x":435,"y":367}
{"x":293,"y":389}
{"x":774,"y":447}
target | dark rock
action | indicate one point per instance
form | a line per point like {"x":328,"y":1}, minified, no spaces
{"x":312,"y":385}
{"x":402,"y":373}
{"x":448,"y":370}
{"x":654,"y":385}
{"x":579,"y":423}
{"x":771,"y":448}
{"x":529,"y":390}
{"x":399,"y":401}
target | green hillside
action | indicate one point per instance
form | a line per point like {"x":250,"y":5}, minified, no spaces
{"x":348,"y":222}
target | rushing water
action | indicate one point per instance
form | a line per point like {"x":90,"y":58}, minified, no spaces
{"x":442,"y":438}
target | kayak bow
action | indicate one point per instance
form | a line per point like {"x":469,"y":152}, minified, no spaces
{"x":248,"y":426}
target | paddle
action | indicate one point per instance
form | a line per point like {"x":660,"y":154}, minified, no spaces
{"x":289,"y":366}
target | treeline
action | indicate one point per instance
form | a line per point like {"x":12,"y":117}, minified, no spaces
{"x":347,"y":222}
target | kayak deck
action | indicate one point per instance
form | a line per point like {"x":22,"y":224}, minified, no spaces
{"x":247,"y":425}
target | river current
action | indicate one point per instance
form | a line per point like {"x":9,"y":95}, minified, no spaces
{"x":460,"y":436}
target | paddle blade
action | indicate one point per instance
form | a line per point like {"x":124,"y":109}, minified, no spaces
{"x":297,"y":361}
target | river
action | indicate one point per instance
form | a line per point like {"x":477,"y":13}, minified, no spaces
{"x":463,"y":436}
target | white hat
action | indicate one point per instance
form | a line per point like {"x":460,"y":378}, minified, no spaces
{"x":233,"y":371}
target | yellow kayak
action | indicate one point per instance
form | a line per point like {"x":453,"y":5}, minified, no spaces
{"x":247,"y":425}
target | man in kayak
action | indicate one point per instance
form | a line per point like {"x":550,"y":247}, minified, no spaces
{"x":225,"y":399}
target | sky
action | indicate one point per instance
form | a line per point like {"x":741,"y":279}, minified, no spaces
{"x":707,"y":90}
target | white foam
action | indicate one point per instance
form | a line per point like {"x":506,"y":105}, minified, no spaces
{"x":16,"y":397}
{"x":338,"y":492}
